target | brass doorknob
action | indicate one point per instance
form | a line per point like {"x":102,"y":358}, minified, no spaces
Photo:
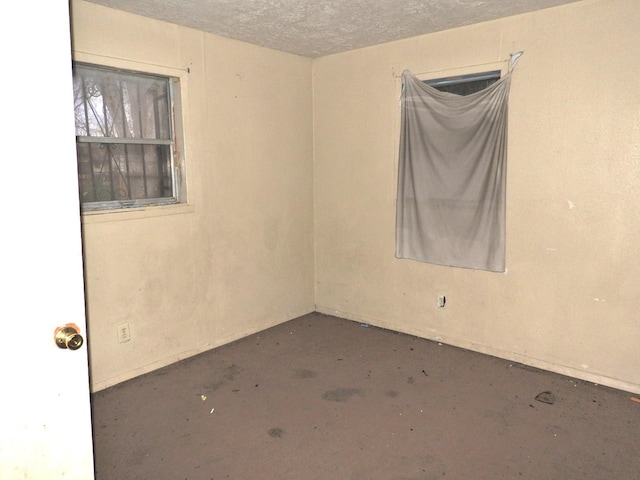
{"x":69,"y":337}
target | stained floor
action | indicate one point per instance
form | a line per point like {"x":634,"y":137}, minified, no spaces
{"x":325,"y":398}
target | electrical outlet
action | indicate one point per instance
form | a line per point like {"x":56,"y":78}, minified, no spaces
{"x":124,"y":334}
{"x":441,"y":301}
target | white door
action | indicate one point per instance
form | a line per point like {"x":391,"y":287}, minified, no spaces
{"x":45,"y":429}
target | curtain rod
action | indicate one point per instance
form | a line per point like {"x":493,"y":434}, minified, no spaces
{"x":513,"y":59}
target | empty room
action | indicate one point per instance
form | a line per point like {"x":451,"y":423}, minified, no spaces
{"x":273,"y":283}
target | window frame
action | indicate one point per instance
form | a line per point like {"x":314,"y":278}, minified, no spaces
{"x":175,"y":143}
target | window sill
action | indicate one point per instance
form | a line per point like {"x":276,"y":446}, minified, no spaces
{"x":102,"y":216}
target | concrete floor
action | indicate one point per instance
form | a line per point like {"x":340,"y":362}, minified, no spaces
{"x":324,"y":398}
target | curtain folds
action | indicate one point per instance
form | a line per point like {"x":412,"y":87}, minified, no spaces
{"x":452,"y":176}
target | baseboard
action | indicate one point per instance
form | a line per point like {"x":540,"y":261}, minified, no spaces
{"x":489,"y":350}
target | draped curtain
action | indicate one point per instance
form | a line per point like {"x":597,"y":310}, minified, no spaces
{"x":452,"y":176}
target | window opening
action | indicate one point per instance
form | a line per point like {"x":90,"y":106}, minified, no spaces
{"x":125,"y":138}
{"x":465,"y":84}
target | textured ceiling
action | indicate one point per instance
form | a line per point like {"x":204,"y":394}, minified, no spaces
{"x":314,"y":28}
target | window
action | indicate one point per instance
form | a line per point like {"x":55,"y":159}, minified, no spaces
{"x":126,"y":138}
{"x":450,"y":207}
{"x":465,"y":84}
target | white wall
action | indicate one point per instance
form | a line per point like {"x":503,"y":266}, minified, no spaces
{"x":239,"y":257}
{"x":569,"y":300}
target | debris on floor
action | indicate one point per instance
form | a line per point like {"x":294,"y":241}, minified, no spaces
{"x":546,"y":397}
{"x":635,"y":399}
{"x":276,"y":432}
{"x":203,"y":397}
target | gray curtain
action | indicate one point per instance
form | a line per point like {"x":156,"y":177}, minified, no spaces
{"x":452,"y":176}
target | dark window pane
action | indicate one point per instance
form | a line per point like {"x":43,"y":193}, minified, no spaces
{"x":116,"y":172}
{"x":465,"y":84}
